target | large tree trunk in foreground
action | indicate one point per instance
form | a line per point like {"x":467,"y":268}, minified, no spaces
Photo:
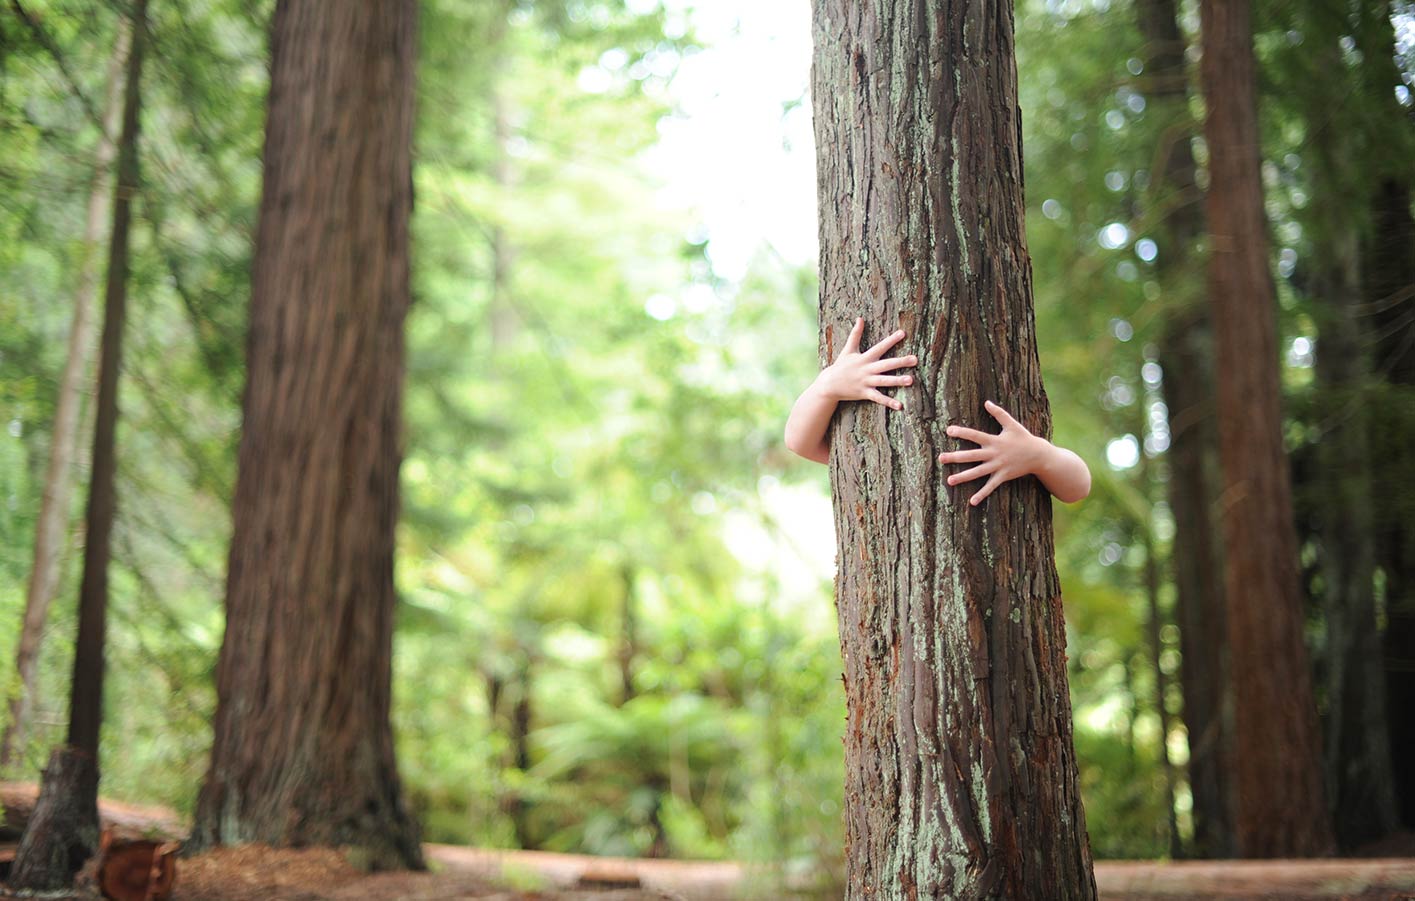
{"x":63,"y":832}
{"x":303,"y":747}
{"x":51,"y":529}
{"x":961,"y":777}
{"x":1279,"y":809}
{"x":1186,"y":357}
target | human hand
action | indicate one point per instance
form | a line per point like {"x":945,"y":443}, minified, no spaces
{"x":1013,"y":453}
{"x":859,"y":376}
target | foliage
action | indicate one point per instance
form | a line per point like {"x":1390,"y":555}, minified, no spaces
{"x":592,"y":422}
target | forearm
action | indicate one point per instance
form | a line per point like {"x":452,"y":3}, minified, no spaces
{"x":808,"y":426}
{"x":1062,"y":472}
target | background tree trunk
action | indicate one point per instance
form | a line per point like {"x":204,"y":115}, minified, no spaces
{"x":1388,"y":270}
{"x":51,"y":531}
{"x":1279,"y":806}
{"x":303,"y":748}
{"x":961,"y":777}
{"x":1186,"y":357}
{"x":1359,"y":781}
{"x":63,"y":832}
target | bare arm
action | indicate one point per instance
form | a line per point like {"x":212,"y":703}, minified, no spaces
{"x":1013,"y":453}
{"x":853,"y":376}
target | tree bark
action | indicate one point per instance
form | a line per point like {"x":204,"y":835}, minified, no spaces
{"x":50,"y":534}
{"x":961,"y":777}
{"x":63,"y":832}
{"x":303,"y":747}
{"x":1186,"y":358}
{"x":1279,"y":808}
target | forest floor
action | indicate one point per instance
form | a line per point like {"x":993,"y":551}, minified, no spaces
{"x":258,"y":873}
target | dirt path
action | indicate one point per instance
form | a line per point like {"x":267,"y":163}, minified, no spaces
{"x":259,"y":873}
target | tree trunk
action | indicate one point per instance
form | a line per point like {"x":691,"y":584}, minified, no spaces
{"x":63,"y":832}
{"x":1186,"y":358}
{"x":1279,"y":806}
{"x":303,"y":747}
{"x":628,"y":648}
{"x":1154,"y":634}
{"x":1389,"y":290}
{"x":1359,"y":780}
{"x":51,"y":530}
{"x":961,"y":777}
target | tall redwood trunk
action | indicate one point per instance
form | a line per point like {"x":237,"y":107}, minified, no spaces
{"x":303,"y":747}
{"x":961,"y":777}
{"x":1186,"y":357}
{"x":51,"y":529}
{"x":1279,"y":808}
{"x":63,"y":830}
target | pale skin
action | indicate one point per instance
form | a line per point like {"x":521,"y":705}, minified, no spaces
{"x":1010,"y":454}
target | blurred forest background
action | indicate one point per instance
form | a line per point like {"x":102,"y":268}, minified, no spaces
{"x":615,"y":630}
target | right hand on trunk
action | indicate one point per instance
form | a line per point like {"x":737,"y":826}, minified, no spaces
{"x":857,"y":375}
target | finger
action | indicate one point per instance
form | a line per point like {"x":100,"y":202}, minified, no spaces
{"x":889,"y":380}
{"x":893,"y":363}
{"x":874,"y":353}
{"x":967,"y":434}
{"x":971,"y":455}
{"x":987,"y":489}
{"x":1001,"y":415}
{"x":852,"y":343}
{"x":880,"y":398}
{"x":968,"y":475}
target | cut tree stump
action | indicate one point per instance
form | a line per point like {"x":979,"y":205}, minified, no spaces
{"x":137,"y":869}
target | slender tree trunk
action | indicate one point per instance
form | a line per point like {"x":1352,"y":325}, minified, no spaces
{"x":1186,"y":358}
{"x":628,"y":636}
{"x":961,"y":777}
{"x":303,"y":747}
{"x":63,"y":831}
{"x":1154,"y":633}
{"x":1389,"y":315}
{"x":1359,"y":781}
{"x":1280,"y":809}
{"x":1390,"y":290}
{"x":50,"y":536}
{"x":521,"y":749}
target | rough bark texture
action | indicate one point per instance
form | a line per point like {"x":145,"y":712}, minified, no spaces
{"x":51,"y":530}
{"x":1279,"y":807}
{"x":961,"y":776}
{"x":303,"y":747}
{"x":1186,"y":357}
